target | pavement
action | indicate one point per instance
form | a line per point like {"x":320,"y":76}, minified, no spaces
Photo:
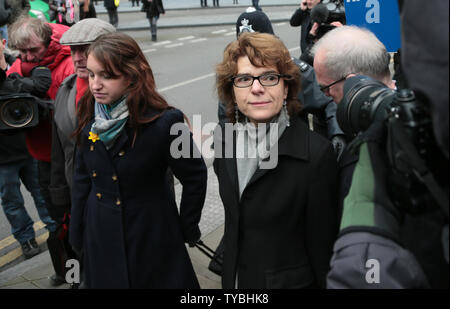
{"x":34,"y":273}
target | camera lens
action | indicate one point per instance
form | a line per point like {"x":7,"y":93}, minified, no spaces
{"x":365,"y":101}
{"x":16,"y":114}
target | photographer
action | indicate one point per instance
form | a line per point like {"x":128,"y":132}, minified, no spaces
{"x":315,"y":20}
{"x":38,"y":45}
{"x":16,"y":164}
{"x":387,"y":241}
{"x":341,"y":53}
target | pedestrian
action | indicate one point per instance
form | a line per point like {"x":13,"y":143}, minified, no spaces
{"x":78,"y":37}
{"x":87,"y":9}
{"x":204,"y":3}
{"x":38,"y":45}
{"x":255,"y":4}
{"x":5,"y":14}
{"x":302,"y":17}
{"x":216,"y":3}
{"x":111,"y":7}
{"x":17,"y":165}
{"x":279,"y":184}
{"x":153,"y":9}
{"x":119,"y":176}
{"x":64,"y":11}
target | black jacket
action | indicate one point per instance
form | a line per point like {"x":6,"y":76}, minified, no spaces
{"x":302,"y":18}
{"x":124,"y":215}
{"x":281,"y":232}
{"x":153,"y":8}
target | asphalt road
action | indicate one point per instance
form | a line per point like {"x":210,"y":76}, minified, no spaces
{"x":183,"y":62}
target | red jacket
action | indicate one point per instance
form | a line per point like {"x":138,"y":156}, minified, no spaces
{"x":59,"y":61}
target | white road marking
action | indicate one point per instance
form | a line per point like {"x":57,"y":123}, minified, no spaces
{"x":162,"y":43}
{"x":199,"y":40}
{"x":186,"y":38}
{"x":187,"y":82}
{"x":219,"y":31}
{"x":174,"y":45}
{"x":149,"y":50}
{"x":280,"y":24}
{"x":201,"y":78}
{"x":230,"y":33}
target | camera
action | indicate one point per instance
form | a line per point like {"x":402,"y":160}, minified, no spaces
{"x":336,"y":12}
{"x":18,"y":111}
{"x":410,"y":147}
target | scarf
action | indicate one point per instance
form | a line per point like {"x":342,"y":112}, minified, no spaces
{"x":253,"y":144}
{"x":110,"y":121}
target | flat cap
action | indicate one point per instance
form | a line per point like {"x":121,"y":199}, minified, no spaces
{"x":86,"y":31}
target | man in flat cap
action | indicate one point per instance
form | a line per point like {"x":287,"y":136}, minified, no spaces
{"x":78,"y":37}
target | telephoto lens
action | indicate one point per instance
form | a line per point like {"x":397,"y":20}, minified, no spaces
{"x":365,"y":101}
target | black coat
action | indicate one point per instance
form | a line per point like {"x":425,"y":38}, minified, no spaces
{"x":280,"y":234}
{"x":153,"y":8}
{"x":303,"y":19}
{"x":124,"y":216}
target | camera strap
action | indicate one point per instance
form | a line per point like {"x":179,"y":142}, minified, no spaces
{"x":418,"y":166}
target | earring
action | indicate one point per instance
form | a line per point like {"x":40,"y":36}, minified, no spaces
{"x":286,"y":111}
{"x":236,"y":113}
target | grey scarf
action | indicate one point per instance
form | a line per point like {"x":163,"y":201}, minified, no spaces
{"x":254,"y":144}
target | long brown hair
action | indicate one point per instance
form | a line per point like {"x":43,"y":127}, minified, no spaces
{"x":120,"y":54}
{"x":262,"y":50}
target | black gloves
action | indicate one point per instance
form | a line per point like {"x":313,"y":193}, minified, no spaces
{"x":37,"y":84}
{"x":42,"y":79}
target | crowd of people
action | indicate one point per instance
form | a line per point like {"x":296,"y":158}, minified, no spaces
{"x":100,"y":166}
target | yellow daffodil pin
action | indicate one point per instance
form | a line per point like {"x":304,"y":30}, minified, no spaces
{"x":93,"y":137}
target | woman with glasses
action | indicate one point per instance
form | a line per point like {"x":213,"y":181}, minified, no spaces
{"x":124,"y":217}
{"x":277,"y":179}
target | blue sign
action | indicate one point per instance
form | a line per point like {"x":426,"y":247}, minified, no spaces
{"x":379,"y":16}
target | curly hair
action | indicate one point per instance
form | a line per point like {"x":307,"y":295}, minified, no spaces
{"x":262,"y":50}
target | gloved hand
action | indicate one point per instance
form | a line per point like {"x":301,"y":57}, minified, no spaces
{"x":368,"y":206}
{"x":192,"y":243}
{"x":42,"y":78}
{"x":339,"y":144}
{"x":61,"y":9}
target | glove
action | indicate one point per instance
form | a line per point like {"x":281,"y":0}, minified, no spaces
{"x":42,"y":78}
{"x":61,"y":9}
{"x":339,"y":144}
{"x":367,"y":206}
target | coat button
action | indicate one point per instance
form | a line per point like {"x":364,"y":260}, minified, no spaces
{"x":118,"y":202}
{"x":94,"y":174}
{"x":99,"y":195}
{"x":91,"y":148}
{"x":121,"y":153}
{"x":114,"y":177}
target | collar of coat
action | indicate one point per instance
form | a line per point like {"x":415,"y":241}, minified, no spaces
{"x":293,"y":143}
{"x":123,"y":137}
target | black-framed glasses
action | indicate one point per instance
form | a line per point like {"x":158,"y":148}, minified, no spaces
{"x":268,"y":80}
{"x":325,"y":88}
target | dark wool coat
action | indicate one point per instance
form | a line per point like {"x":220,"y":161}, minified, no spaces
{"x":153,"y":8}
{"x":123,"y":215}
{"x":280,"y":234}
